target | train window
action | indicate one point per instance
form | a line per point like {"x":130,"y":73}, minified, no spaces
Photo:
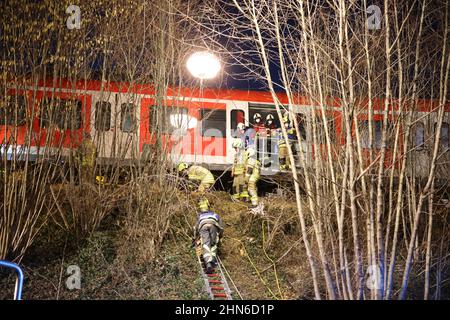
{"x":213,"y":123}
{"x":237,"y":116}
{"x":444,"y":140}
{"x":65,"y":114}
{"x":102,"y":116}
{"x":419,"y":136}
{"x":301,"y":120}
{"x":128,"y":117}
{"x":168,"y":119}
{"x":378,"y":128}
{"x":264,"y":111}
{"x":13,"y":110}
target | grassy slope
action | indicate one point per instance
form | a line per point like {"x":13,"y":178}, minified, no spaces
{"x":110,"y":269}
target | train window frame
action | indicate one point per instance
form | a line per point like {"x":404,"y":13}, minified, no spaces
{"x":234,"y":121}
{"x":102,"y":122}
{"x":302,"y":125}
{"x":419,"y":139}
{"x":19,"y":115}
{"x":166,"y":127}
{"x":264,"y":110}
{"x":207,"y":124}
{"x":378,"y":126}
{"x":127,"y":116}
{"x":59,"y":116}
{"x":444,"y":138}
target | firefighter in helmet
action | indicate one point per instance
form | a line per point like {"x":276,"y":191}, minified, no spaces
{"x":238,"y":172}
{"x":252,"y":175}
{"x":258,"y":124}
{"x":282,"y":146}
{"x":197,"y":174}
{"x":208,"y":231}
{"x":86,"y":157}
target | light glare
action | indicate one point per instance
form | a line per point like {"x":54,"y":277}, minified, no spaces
{"x":203,"y":65}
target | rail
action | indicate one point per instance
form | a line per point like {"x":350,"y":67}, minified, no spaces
{"x":19,"y":278}
{"x":215,"y":282}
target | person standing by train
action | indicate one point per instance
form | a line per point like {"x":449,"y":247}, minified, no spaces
{"x":283,"y":155}
{"x":239,"y":189}
{"x":252,"y":175}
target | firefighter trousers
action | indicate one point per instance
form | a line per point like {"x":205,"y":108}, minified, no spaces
{"x":209,"y":235}
{"x":239,"y":187}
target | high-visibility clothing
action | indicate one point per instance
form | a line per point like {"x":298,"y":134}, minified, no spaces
{"x":239,"y":163}
{"x":209,"y":217}
{"x":240,"y":187}
{"x":203,"y":204}
{"x":252,"y":176}
{"x":202,"y":175}
{"x":210,"y":228}
{"x":290,"y":133}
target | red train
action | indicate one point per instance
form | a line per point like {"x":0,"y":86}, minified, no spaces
{"x":198,"y":126}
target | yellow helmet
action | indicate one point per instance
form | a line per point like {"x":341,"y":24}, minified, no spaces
{"x":182,"y":166}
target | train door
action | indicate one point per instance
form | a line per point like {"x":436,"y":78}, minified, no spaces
{"x":443,"y":159}
{"x":103,"y":124}
{"x":263,"y":119}
{"x":127,"y":120}
{"x":423,"y":133}
{"x":420,"y":146}
{"x":237,"y":112}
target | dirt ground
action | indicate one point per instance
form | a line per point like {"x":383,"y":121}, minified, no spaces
{"x":254,"y":270}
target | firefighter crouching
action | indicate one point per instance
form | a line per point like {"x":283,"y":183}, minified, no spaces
{"x":252,"y":175}
{"x":86,"y":157}
{"x":238,"y":172}
{"x":197,"y":174}
{"x":209,"y":230}
{"x":201,"y":176}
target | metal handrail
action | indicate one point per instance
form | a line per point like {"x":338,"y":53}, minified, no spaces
{"x":19,"y":278}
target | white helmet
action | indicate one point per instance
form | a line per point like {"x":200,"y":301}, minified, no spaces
{"x":240,"y":126}
{"x":269,"y":118}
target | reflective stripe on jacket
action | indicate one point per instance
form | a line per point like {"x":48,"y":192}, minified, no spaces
{"x":239,"y":163}
{"x":200,"y":174}
{"x":209,"y":218}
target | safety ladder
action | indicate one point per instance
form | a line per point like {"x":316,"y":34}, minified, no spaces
{"x":215,"y":283}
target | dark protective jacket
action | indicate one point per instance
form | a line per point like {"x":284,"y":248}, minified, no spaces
{"x":209,"y":217}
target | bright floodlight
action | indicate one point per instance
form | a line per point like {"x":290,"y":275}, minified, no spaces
{"x":203,"y":65}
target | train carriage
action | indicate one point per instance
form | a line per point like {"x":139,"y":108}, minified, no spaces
{"x":195,"y":126}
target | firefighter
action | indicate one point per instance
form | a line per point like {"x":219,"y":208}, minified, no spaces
{"x":197,"y":174}
{"x":238,"y":172}
{"x":258,"y":125}
{"x":271,"y":146}
{"x":252,"y":174}
{"x":208,"y":231}
{"x":87,"y":155}
{"x":246,"y":134}
{"x":282,"y":147}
